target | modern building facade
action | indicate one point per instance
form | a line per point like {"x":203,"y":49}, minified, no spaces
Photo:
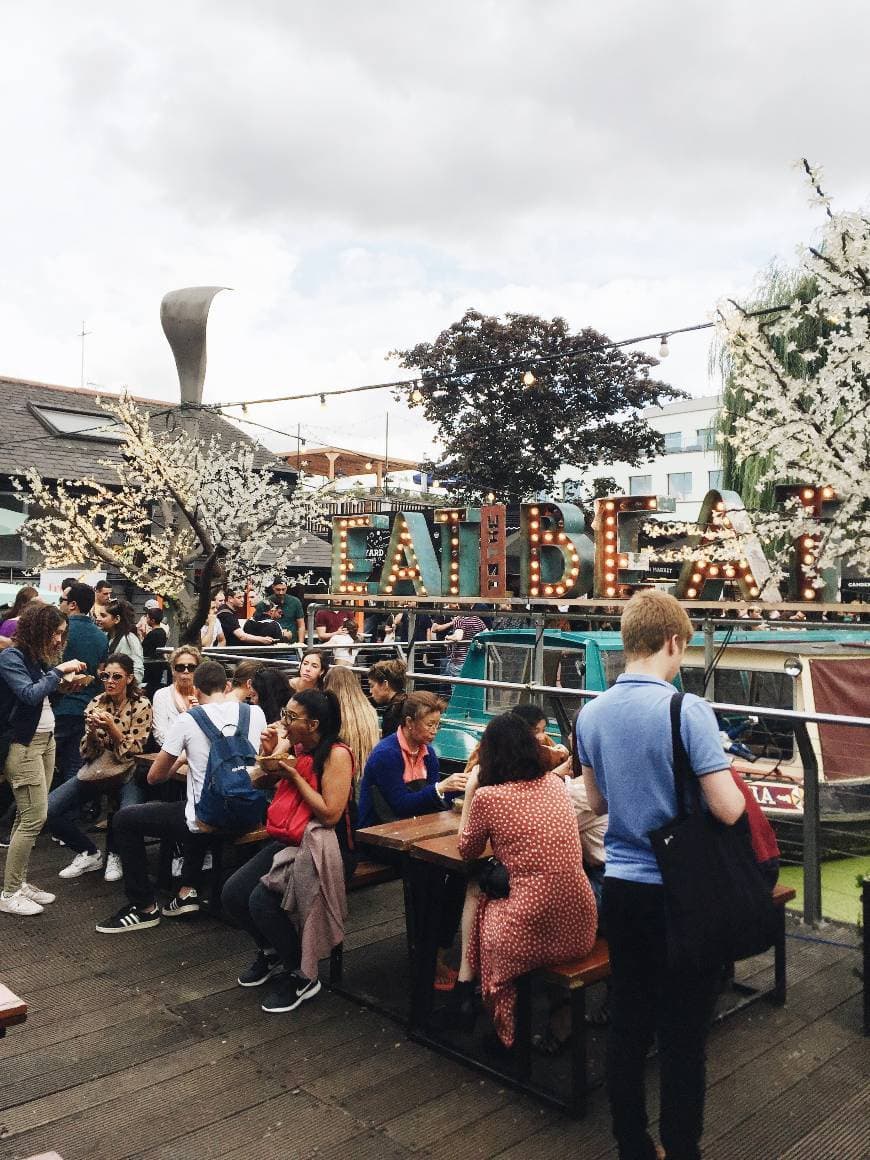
{"x":687,"y":469}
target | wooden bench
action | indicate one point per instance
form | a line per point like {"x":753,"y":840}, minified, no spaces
{"x":12,"y":1009}
{"x":577,"y":975}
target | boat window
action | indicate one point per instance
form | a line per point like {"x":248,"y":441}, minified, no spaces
{"x":767,"y":738}
{"x":563,"y":668}
{"x":614,"y":664}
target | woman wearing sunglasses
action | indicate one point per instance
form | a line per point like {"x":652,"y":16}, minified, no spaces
{"x":177,"y":698}
{"x":117,"y":722}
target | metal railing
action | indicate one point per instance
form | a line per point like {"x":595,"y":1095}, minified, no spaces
{"x":812,"y":881}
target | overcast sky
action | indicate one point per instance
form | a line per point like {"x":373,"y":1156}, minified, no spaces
{"x":362,"y":173}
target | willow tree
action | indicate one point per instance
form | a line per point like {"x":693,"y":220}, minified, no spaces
{"x":776,"y":286}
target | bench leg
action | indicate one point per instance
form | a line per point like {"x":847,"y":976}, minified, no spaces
{"x":779,"y":976}
{"x":336,"y":966}
{"x":217,"y":874}
{"x":579,"y":1075}
{"x":523,"y":1029}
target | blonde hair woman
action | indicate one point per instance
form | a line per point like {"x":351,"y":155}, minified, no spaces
{"x":360,"y":729}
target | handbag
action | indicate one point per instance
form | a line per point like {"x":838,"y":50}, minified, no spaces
{"x":107,"y":769}
{"x":493,"y":879}
{"x":718,"y":908}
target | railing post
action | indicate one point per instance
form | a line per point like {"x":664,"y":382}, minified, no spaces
{"x":312,"y":611}
{"x":811,"y":828}
{"x":709,"y":654}
{"x":538,"y":659}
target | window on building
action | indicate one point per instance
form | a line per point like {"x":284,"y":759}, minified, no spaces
{"x":640,"y":485}
{"x":673,"y":441}
{"x":705,"y":438}
{"x":81,"y":424}
{"x":679,"y":484}
{"x":714,"y":480}
{"x":11,"y":545}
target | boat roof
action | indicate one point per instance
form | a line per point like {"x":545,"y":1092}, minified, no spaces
{"x":798,"y":640}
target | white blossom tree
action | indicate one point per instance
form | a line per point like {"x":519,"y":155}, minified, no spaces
{"x":813,"y":427}
{"x":179,"y":502}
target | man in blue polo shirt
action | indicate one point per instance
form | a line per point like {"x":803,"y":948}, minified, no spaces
{"x":624,"y":745}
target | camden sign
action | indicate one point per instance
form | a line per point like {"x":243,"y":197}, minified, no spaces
{"x":560,"y":558}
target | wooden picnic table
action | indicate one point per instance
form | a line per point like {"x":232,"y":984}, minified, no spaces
{"x":404,"y":832}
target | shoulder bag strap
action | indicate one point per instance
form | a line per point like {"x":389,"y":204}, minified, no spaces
{"x":683,"y":777}
{"x":244,"y":724}
{"x":205,"y":723}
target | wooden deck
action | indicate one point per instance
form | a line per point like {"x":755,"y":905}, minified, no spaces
{"x":142,"y":1045}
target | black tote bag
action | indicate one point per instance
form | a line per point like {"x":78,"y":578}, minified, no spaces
{"x":718,"y":908}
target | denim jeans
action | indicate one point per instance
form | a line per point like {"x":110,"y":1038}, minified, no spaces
{"x":648,"y":999}
{"x":155,"y":820}
{"x":65,"y":802}
{"x":69,"y":729}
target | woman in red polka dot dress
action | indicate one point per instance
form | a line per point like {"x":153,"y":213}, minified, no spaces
{"x":549,"y":915}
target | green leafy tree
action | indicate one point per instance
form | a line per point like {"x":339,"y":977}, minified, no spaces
{"x":515,"y":399}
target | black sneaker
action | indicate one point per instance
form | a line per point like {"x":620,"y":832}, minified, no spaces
{"x":263,"y":967}
{"x":180,"y":906}
{"x":5,"y":839}
{"x":129,"y":917}
{"x":287,"y":994}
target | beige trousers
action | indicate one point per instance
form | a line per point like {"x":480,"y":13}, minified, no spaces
{"x":29,"y":770}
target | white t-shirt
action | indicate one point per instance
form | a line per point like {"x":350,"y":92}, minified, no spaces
{"x":342,"y":656}
{"x":46,"y":718}
{"x":185,"y":736}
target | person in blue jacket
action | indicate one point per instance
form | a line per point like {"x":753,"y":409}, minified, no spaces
{"x":30,"y":671}
{"x":401,"y":778}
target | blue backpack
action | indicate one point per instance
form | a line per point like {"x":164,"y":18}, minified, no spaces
{"x":229,"y":801}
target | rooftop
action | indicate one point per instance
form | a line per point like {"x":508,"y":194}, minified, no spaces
{"x":62,"y":432}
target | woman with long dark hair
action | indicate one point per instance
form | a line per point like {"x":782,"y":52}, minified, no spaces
{"x":271,"y":691}
{"x":312,"y":670}
{"x":118,"y":622}
{"x":313,"y":776}
{"x":549,"y":915}
{"x":387,"y":690}
{"x":117,"y":725}
{"x":31,"y":671}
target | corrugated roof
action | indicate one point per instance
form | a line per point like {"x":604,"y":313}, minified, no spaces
{"x":25,"y":442}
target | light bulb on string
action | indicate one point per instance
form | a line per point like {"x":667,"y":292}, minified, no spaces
{"x":664,"y":349}
{"x":529,"y":379}
{"x":416,"y":396}
{"x":323,"y":400}
{"x":369,"y":466}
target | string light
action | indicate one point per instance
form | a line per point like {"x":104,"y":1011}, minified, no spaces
{"x":505,"y":365}
{"x":323,"y":400}
{"x":529,"y":379}
{"x":416,"y":396}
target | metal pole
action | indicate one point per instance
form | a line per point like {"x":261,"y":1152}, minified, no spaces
{"x":865,"y":910}
{"x":386,"y":452}
{"x":709,"y":653}
{"x":538,"y":658}
{"x":812,"y":828}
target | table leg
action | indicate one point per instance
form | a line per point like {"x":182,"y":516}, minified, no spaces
{"x":426,"y":896}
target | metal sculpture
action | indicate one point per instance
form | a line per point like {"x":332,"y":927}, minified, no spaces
{"x":183,"y":316}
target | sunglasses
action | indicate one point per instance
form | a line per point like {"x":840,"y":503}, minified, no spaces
{"x":184,"y":668}
{"x":104,"y":677}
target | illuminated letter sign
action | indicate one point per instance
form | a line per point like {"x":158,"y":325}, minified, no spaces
{"x":556,"y":556}
{"x":816,"y":503}
{"x":460,"y":551}
{"x":619,"y":520}
{"x":350,"y":565}
{"x":723,"y":515}
{"x":493,"y":550}
{"x":410,"y":565}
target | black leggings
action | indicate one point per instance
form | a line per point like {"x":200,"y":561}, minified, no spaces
{"x":258,"y":910}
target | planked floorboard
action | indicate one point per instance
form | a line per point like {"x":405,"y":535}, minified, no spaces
{"x":143,"y":1046}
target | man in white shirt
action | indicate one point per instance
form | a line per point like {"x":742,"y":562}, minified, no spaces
{"x":175,"y":820}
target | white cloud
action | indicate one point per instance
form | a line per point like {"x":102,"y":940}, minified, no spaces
{"x":361,"y":174}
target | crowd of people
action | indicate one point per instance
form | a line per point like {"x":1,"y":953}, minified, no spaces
{"x":315,"y":758}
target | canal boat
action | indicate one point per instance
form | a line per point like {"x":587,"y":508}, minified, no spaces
{"x":807,"y":669}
